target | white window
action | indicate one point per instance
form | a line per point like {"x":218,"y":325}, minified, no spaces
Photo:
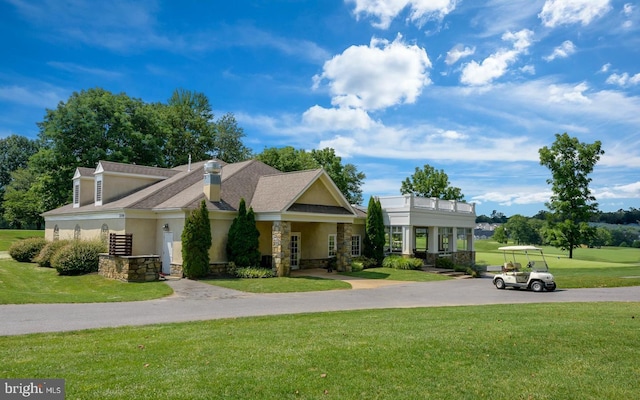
{"x":332,"y":245}
{"x":99,"y":190}
{"x":76,"y":194}
{"x":355,"y":245}
{"x":393,"y":239}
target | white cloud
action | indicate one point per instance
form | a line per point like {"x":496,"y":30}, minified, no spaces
{"x":387,"y":10}
{"x":627,"y":9}
{"x":566,"y":49}
{"x":528,"y":69}
{"x":77,"y":68}
{"x":509,"y":197}
{"x":623,"y":79}
{"x":458,"y":52}
{"x":562,"y":94}
{"x":335,"y":119}
{"x":565,"y":12}
{"x":497,"y":64}
{"x":377,"y":76}
{"x":605,"y":68}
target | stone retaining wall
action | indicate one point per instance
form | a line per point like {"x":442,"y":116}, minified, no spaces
{"x":130,"y":268}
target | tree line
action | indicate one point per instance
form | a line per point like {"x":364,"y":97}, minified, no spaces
{"x":95,"y":124}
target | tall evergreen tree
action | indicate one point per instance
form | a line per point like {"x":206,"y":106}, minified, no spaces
{"x":196,"y":241}
{"x":243,"y":238}
{"x":373,"y":244}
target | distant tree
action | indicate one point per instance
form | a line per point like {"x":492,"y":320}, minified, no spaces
{"x":498,"y":217}
{"x":196,"y":241}
{"x":373,"y":243}
{"x":572,"y":203}
{"x":22,"y":203}
{"x":346,"y":176}
{"x":601,"y":237}
{"x":429,"y":182}
{"x":228,"y":144}
{"x":15,"y":151}
{"x":189,"y":128}
{"x":521,"y":230}
{"x":500,"y":234}
{"x":243,"y":239}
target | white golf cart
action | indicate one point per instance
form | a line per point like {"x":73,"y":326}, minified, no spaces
{"x":534,"y":275}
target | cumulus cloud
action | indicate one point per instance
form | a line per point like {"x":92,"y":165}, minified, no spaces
{"x":566,"y":12}
{"x":44,"y":97}
{"x":330,"y":119}
{"x":605,"y":68}
{"x":497,"y":64}
{"x":458,"y":52}
{"x":623,"y":79}
{"x":566,"y":49}
{"x":377,"y":76}
{"x":575,"y":94}
{"x":387,"y":10}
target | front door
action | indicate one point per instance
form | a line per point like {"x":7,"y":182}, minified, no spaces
{"x":294,"y":246}
{"x":167,"y":252}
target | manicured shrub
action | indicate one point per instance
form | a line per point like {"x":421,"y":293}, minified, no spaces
{"x":444,"y":262}
{"x":397,"y":262}
{"x":252,"y":273}
{"x":78,"y":257}
{"x":374,"y":238}
{"x":365,"y":262}
{"x":44,"y":257}
{"x":27,"y":249}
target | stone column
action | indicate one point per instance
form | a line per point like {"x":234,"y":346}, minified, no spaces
{"x":281,"y":251}
{"x":343,"y":247}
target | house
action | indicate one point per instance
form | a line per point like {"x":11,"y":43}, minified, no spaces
{"x":303,"y":219}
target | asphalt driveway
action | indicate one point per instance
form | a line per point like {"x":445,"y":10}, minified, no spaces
{"x":194,"y":301}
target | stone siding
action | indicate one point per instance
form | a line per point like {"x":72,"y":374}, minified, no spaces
{"x":215,"y":269}
{"x":314,"y":263}
{"x":343,"y":247}
{"x":130,"y":268}
{"x":281,"y":239}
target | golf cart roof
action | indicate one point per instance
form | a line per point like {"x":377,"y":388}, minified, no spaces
{"x":519,"y":248}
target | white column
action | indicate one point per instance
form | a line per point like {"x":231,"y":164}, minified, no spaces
{"x":407,"y":240}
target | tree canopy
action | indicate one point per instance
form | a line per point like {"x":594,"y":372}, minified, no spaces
{"x":572,"y":204}
{"x":429,"y":182}
{"x":95,"y":124}
{"x":346,"y":176}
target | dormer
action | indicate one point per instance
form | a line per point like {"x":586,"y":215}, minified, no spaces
{"x":115,"y":180}
{"x":83,"y":187}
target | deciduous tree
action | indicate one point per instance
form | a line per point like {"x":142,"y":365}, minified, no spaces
{"x":572,"y":204}
{"x":429,"y":182}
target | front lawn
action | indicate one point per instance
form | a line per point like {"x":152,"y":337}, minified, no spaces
{"x":559,"y":351}
{"x":23,"y":283}
{"x":279,"y":285}
{"x":9,"y":236}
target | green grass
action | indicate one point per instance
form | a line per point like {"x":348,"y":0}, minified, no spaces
{"x":396,"y":275}
{"x":279,"y":285}
{"x":605,"y":267}
{"x":8,"y":236}
{"x":23,"y":283}
{"x":559,"y":351}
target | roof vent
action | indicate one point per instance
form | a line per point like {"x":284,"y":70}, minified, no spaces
{"x":212,"y":167}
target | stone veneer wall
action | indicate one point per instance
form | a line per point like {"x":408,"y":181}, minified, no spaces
{"x":215,"y":269}
{"x":280,"y":239}
{"x":130,"y":268}
{"x":314,"y":263}
{"x":343,"y":247}
{"x":459,"y":258}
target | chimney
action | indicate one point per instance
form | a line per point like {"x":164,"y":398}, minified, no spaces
{"x":212,"y":180}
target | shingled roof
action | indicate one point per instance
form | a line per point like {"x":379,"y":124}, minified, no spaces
{"x":263,"y":187}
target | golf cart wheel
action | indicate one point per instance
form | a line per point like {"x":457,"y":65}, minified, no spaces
{"x":552,"y":288}
{"x":499,"y":283}
{"x":537,"y":286}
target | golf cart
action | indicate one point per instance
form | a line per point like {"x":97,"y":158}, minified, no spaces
{"x":534,"y":275}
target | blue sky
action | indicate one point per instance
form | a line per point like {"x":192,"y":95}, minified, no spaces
{"x":471,"y":87}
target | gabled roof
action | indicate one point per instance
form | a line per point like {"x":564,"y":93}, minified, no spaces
{"x":83,"y":172}
{"x":263,"y":187}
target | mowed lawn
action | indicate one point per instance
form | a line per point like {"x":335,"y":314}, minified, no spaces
{"x":548,"y":351}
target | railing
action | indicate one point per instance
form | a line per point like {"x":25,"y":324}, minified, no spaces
{"x":120,"y":245}
{"x":429,"y":203}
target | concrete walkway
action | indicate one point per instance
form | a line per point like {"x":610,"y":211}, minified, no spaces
{"x":195,"y":301}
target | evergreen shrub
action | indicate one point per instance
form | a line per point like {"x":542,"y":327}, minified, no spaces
{"x":26,"y":250}
{"x":196,"y":241}
{"x":397,"y":262}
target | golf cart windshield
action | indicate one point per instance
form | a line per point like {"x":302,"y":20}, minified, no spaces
{"x":517,"y":258}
